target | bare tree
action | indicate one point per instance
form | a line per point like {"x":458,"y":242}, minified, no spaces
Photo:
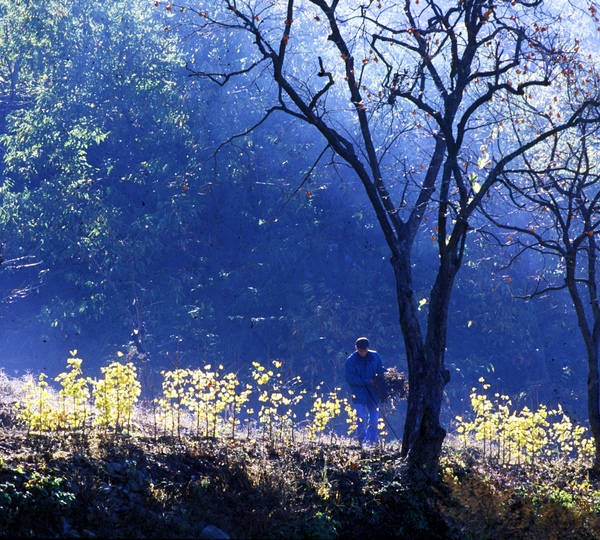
{"x":411,"y":95}
{"x":557,"y":198}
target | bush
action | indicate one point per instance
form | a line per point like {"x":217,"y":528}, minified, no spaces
{"x":525,"y":436}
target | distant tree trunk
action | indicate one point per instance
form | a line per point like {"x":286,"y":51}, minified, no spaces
{"x":14,"y":78}
{"x":593,"y":387}
{"x":591,"y":336}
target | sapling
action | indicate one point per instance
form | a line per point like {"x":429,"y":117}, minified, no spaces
{"x":351,"y":418}
{"x":174,"y":387}
{"x":324,"y":410}
{"x":74,"y":395}
{"x":232,"y":400}
{"x":277,"y":399}
{"x":115,"y":396}
{"x":521,"y":435}
{"x":37,"y":410}
{"x":201,"y":399}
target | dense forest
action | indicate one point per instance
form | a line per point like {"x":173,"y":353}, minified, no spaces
{"x":160,"y":197}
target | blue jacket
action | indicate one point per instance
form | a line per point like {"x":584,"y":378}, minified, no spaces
{"x":359,"y":372}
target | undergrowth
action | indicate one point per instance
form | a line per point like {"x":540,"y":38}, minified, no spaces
{"x":76,"y":463}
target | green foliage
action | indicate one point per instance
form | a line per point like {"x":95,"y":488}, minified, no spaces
{"x":115,"y":397}
{"x":216,"y":403}
{"x":321,"y":527}
{"x":552,"y":500}
{"x":31,"y":502}
{"x":524,"y":436}
{"x":351,"y":419}
{"x":203,"y":399}
{"x":98,"y":86}
{"x":204,"y":394}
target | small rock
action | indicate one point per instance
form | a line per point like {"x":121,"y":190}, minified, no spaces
{"x":114,"y":467}
{"x":210,"y":532}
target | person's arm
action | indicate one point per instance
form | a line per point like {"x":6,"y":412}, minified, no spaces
{"x":380,"y":367}
{"x":375,"y":368}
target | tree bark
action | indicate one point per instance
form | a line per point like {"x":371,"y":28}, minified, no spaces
{"x":591,"y":338}
{"x":423,"y":435}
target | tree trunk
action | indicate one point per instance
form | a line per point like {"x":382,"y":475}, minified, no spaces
{"x":593,"y":388}
{"x":423,"y":434}
{"x":593,"y":379}
{"x":593,"y":383}
{"x":591,"y":338}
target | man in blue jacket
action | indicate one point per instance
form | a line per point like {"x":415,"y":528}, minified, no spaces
{"x":361,"y":368}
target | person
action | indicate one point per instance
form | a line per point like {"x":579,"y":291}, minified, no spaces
{"x":362,"y":366}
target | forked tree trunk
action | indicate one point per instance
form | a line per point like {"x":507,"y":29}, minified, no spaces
{"x":423,"y":434}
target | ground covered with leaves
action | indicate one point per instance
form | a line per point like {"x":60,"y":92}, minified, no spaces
{"x":136,"y":486}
